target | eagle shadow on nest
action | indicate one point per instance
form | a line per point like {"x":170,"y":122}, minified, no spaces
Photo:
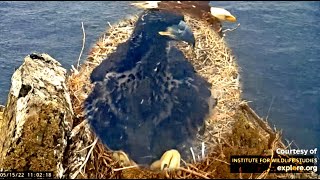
{"x":147,"y":97}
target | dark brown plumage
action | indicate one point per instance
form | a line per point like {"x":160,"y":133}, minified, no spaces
{"x":147,"y":97}
{"x":196,"y":9}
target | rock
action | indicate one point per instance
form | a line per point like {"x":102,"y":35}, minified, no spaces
{"x":37,"y":118}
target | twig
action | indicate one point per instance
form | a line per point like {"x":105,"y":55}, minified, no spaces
{"x":221,"y":161}
{"x":261,"y":122}
{"x":265,"y":173}
{"x":123,"y":168}
{"x":269,"y":108}
{"x":109,"y":24}
{"x":202,"y":145}
{"x":75,"y":71}
{"x":83,"y":42}
{"x":194,"y":158}
{"x":194,"y":173}
{"x":85,"y":148}
{"x":185,"y":163}
{"x":86,"y":160}
{"x":76,"y":129}
{"x":231,"y":29}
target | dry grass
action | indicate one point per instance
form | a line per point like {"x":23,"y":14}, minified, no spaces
{"x":214,"y":61}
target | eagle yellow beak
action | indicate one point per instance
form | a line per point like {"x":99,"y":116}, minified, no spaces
{"x":180,"y":32}
{"x":167,"y":33}
{"x":231,"y":18}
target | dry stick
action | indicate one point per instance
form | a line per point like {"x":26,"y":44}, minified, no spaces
{"x":269,"y":108}
{"x":109,"y":24}
{"x":83,"y":42}
{"x":127,"y":167}
{"x":261,"y":123}
{"x":194,"y":173}
{"x":221,"y":161}
{"x":229,"y":30}
{"x":85,"y":161}
{"x":265,"y":173}
{"x":194,"y":158}
{"x":76,"y":129}
{"x":203,"y":147}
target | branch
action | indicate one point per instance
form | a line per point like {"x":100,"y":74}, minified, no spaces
{"x":87,"y":158}
{"x":83,"y":42}
{"x":193,"y":172}
{"x":231,"y":29}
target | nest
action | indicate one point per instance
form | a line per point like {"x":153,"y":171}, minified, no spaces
{"x":214,"y":61}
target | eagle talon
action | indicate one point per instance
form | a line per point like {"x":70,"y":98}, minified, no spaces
{"x":170,"y":160}
{"x":122,"y":158}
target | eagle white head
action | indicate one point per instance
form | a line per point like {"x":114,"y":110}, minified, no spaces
{"x":146,"y":4}
{"x":222,"y":14}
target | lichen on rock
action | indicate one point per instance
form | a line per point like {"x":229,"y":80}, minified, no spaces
{"x":37,"y":117}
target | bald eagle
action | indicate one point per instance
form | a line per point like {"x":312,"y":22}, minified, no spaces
{"x":147,"y":98}
{"x":196,"y":9}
